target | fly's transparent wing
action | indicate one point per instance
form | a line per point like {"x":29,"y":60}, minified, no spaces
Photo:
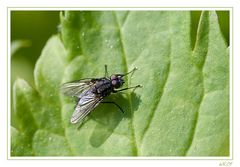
{"x":75,"y":88}
{"x":85,"y":105}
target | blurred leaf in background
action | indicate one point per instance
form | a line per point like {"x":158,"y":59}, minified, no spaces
{"x":182,"y":110}
{"x":223,"y":17}
{"x":29,"y":32}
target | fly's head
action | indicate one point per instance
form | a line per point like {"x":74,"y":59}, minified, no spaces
{"x":117,"y":80}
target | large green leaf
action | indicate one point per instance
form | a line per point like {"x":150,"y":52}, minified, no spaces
{"x":182,"y":109}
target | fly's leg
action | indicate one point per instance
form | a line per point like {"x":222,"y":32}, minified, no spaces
{"x":111,"y":102}
{"x":131,"y":72}
{"x":134,"y":87}
{"x":106,"y":72}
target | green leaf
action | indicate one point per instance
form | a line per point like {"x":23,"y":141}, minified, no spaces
{"x":45,"y":143}
{"x":18,"y":44}
{"x":182,"y":109}
{"x":25,"y":102}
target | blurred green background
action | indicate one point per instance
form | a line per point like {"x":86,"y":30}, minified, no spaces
{"x":29,"y":32}
{"x":31,"y":29}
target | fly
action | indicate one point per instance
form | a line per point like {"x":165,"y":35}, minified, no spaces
{"x":91,"y":91}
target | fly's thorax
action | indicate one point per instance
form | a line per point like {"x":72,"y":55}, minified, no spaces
{"x":103,"y":87}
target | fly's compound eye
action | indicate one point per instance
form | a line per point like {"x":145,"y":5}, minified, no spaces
{"x":116,"y":83}
{"x":113,"y":77}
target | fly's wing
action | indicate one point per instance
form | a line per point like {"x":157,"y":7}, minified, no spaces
{"x":85,"y":105}
{"x":75,"y":88}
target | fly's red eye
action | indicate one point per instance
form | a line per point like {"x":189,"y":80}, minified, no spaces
{"x":113,"y":77}
{"x":114,"y":82}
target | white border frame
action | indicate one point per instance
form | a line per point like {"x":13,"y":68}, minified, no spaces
{"x":9,"y":9}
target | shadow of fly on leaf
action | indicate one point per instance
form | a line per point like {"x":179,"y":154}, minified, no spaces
{"x":90,"y":92}
{"x":107,"y":120}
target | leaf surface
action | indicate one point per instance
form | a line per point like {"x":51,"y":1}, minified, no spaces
{"x":182,"y":109}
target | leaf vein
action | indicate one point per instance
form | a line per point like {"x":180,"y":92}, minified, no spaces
{"x":124,"y":60}
{"x":203,"y":90}
{"x":158,"y":102}
{"x":125,"y":18}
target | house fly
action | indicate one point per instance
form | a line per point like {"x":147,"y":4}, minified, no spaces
{"x":90,"y":92}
